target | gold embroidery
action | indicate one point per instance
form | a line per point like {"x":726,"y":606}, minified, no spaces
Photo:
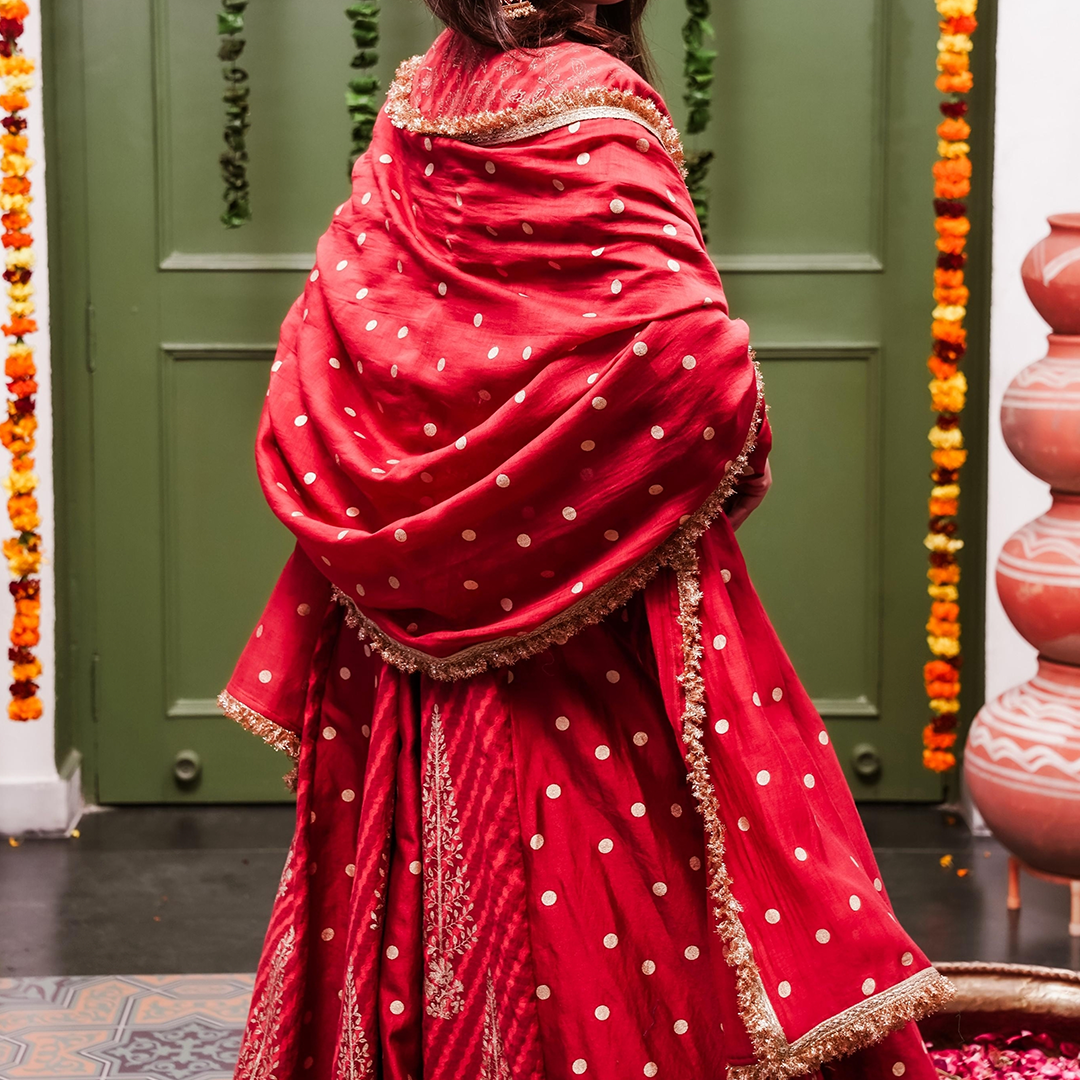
{"x":448,"y":923}
{"x":379,"y":906}
{"x":529,"y":118}
{"x":286,"y":873}
{"x":354,"y":1060}
{"x":853,"y":1029}
{"x":258,"y":1053}
{"x":503,"y":652}
{"x":493,"y":1065}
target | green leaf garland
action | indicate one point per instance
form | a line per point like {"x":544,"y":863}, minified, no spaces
{"x":234,"y":159}
{"x":362,"y":96}
{"x":698,"y":71}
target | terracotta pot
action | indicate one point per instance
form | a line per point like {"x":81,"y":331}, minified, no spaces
{"x":1051,"y":274}
{"x":1040,"y":413}
{"x":1022,"y":767}
{"x":1038,"y":580}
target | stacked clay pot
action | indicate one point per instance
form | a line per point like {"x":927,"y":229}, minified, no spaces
{"x":1022,"y":762}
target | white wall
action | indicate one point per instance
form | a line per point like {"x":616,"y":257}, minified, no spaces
{"x":1036,"y":173}
{"x":32,"y":795}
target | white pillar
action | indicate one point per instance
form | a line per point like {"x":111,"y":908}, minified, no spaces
{"x":1036,"y":173}
{"x":33,"y":796}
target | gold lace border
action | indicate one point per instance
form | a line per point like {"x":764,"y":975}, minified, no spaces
{"x":535,"y":118}
{"x":272,"y":734}
{"x":853,"y":1029}
{"x":504,"y":652}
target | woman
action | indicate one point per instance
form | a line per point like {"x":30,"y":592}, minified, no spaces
{"x":563,"y":806}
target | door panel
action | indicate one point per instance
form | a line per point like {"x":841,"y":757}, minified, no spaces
{"x":823,"y":136}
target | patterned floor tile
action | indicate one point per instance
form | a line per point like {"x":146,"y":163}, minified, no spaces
{"x":156,"y":1027}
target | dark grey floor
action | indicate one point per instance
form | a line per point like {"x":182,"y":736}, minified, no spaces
{"x":158,"y":890}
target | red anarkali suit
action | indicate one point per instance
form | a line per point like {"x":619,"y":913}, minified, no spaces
{"x":564,"y":808}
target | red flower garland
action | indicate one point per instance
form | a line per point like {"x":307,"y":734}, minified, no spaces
{"x":23,"y":551}
{"x":948,"y":389}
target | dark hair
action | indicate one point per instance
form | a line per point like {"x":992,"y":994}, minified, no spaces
{"x":617,"y":29}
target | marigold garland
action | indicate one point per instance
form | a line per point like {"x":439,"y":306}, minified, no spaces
{"x":23,"y":552}
{"x":948,"y":387}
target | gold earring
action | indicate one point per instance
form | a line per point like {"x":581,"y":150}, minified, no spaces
{"x":517,"y":9}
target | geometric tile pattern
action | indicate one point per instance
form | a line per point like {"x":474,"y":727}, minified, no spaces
{"x":144,"y":1027}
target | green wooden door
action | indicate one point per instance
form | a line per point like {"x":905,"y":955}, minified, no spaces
{"x":821,"y":228}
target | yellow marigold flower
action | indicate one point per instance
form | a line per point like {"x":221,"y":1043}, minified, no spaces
{"x":22,"y":307}
{"x":20,"y":349}
{"x":945,"y":491}
{"x":15,"y":65}
{"x":946,"y":438}
{"x":21,"y":560}
{"x":954,"y":43}
{"x":21,"y":290}
{"x":953,"y":9}
{"x":21,"y":483}
{"x":15,"y":164}
{"x":26,"y":672}
{"x":20,"y":258}
{"x":943,"y":646}
{"x":22,"y":80}
{"x":19,"y":203}
{"x":942,"y":705}
{"x":950,"y":312}
{"x":954,"y":63}
{"x":945,"y":593}
{"x":940,"y":542}
{"x":953,"y":149}
{"x":948,"y":400}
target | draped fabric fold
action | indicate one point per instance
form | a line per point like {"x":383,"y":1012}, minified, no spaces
{"x":503,"y":424}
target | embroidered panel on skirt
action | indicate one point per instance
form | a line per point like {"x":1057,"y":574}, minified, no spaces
{"x":504,"y":878}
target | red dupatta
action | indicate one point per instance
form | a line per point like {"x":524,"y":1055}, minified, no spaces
{"x":510,"y":394}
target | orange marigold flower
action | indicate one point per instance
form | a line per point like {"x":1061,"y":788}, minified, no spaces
{"x":19,"y":366}
{"x":15,"y":185}
{"x":27,"y":637}
{"x":955,"y":84}
{"x":946,"y":611}
{"x":952,"y":189}
{"x":22,"y":387}
{"x":28,"y":607}
{"x":942,"y":690}
{"x":939,"y":761}
{"x":940,"y":671}
{"x":959,"y":24}
{"x":942,"y":628}
{"x":19,"y":327}
{"x":22,"y":709}
{"x":953,"y":169}
{"x":17,"y":239}
{"x":954,"y":130}
{"x":15,"y":220}
{"x":951,"y":245}
{"x":953,"y":63}
{"x":952,"y":226}
{"x":14,"y":9}
{"x":942,"y":369}
{"x":944,"y":575}
{"x":949,"y":459}
{"x":948,"y":279}
{"x":944,"y":507}
{"x":26,"y":672}
{"x":26,"y":622}
{"x":958,"y":295}
{"x":938,"y":740}
{"x":946,"y":330}
{"x":15,"y":143}
{"x":14,"y":102}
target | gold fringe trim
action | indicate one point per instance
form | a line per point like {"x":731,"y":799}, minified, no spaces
{"x":755,"y":1010}
{"x":272,"y":734}
{"x":524,"y":121}
{"x":504,"y":652}
{"x":855,"y":1028}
